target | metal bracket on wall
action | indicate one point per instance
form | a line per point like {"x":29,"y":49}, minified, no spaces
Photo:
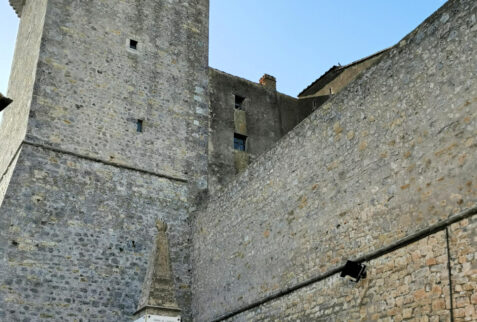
{"x":439,"y":226}
{"x":354,"y":270}
{"x":4,"y":102}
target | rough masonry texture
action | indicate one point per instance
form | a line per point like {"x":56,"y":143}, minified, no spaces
{"x":394,"y":152}
{"x":82,"y":252}
{"x":118,"y":123}
{"x":77,"y":220}
{"x":158,"y":292}
{"x":264,"y":117}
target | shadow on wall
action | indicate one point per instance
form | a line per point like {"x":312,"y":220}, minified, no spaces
{"x":4,"y":102}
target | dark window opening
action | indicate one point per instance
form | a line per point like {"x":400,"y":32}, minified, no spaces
{"x":139,"y":126}
{"x":239,"y":142}
{"x":239,"y":102}
{"x":133,"y":44}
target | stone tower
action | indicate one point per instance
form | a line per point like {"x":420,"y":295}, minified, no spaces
{"x":107,"y":133}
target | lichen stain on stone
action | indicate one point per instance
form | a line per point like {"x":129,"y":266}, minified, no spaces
{"x":333,"y":165}
{"x":350,"y":135}
{"x":406,"y":186}
{"x":337,"y":128}
{"x":445,"y":150}
{"x":363,"y":145}
{"x":303,"y":202}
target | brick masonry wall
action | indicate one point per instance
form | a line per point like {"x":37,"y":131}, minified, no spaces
{"x":392,"y":153}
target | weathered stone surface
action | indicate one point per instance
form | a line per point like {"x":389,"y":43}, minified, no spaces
{"x":17,"y":6}
{"x":92,"y":88}
{"x":265,"y":117}
{"x":76,"y":238}
{"x":392,"y":153}
{"x":158,"y":291}
{"x":334,"y":80}
{"x":86,"y":185}
{"x":400,"y":285}
{"x":20,"y":87}
{"x":463,"y":250}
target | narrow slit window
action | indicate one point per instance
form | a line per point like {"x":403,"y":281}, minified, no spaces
{"x":139,"y":126}
{"x":239,"y":102}
{"x":133,"y":44}
{"x":239,"y":142}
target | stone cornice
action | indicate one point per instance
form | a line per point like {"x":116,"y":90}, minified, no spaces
{"x":17,"y":6}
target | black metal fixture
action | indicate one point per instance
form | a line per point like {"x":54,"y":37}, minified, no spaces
{"x":355,"y":270}
{"x":4,"y":102}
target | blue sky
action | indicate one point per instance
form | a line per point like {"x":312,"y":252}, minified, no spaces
{"x":8,"y":33}
{"x":294,"y":40}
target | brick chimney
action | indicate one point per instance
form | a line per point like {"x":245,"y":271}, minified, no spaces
{"x":269,"y":82}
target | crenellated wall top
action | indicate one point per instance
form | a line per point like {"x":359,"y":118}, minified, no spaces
{"x":17,"y":6}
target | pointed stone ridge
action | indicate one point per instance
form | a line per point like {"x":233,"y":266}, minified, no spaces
{"x":4,"y":102}
{"x":17,"y":6}
{"x":158,"y":292}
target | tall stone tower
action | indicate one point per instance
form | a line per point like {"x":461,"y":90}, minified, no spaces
{"x":107,"y":134}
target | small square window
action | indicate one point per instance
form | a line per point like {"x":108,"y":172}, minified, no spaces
{"x":139,"y":126}
{"x":133,"y":44}
{"x":239,"y":102}
{"x":239,"y":142}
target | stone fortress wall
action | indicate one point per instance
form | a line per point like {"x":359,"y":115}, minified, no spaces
{"x":384,"y":171}
{"x":77,"y":220}
{"x":105,"y":136}
{"x":264,"y":116}
{"x":21,"y":82}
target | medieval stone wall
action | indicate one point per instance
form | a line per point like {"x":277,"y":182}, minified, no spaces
{"x":77,"y":221}
{"x":93,"y":88}
{"x":409,"y":283}
{"x":265,"y":116}
{"x":77,"y":237}
{"x":23,"y":74}
{"x":339,"y":77}
{"x":390,"y":155}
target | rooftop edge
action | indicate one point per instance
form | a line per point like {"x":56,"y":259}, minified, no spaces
{"x":17,"y":5}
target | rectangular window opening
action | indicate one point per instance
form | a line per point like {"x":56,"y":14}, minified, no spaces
{"x":133,"y":44}
{"x":239,"y":102}
{"x":239,"y":142}
{"x":139,"y":126}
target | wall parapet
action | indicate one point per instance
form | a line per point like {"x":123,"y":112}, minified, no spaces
{"x":17,"y":5}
